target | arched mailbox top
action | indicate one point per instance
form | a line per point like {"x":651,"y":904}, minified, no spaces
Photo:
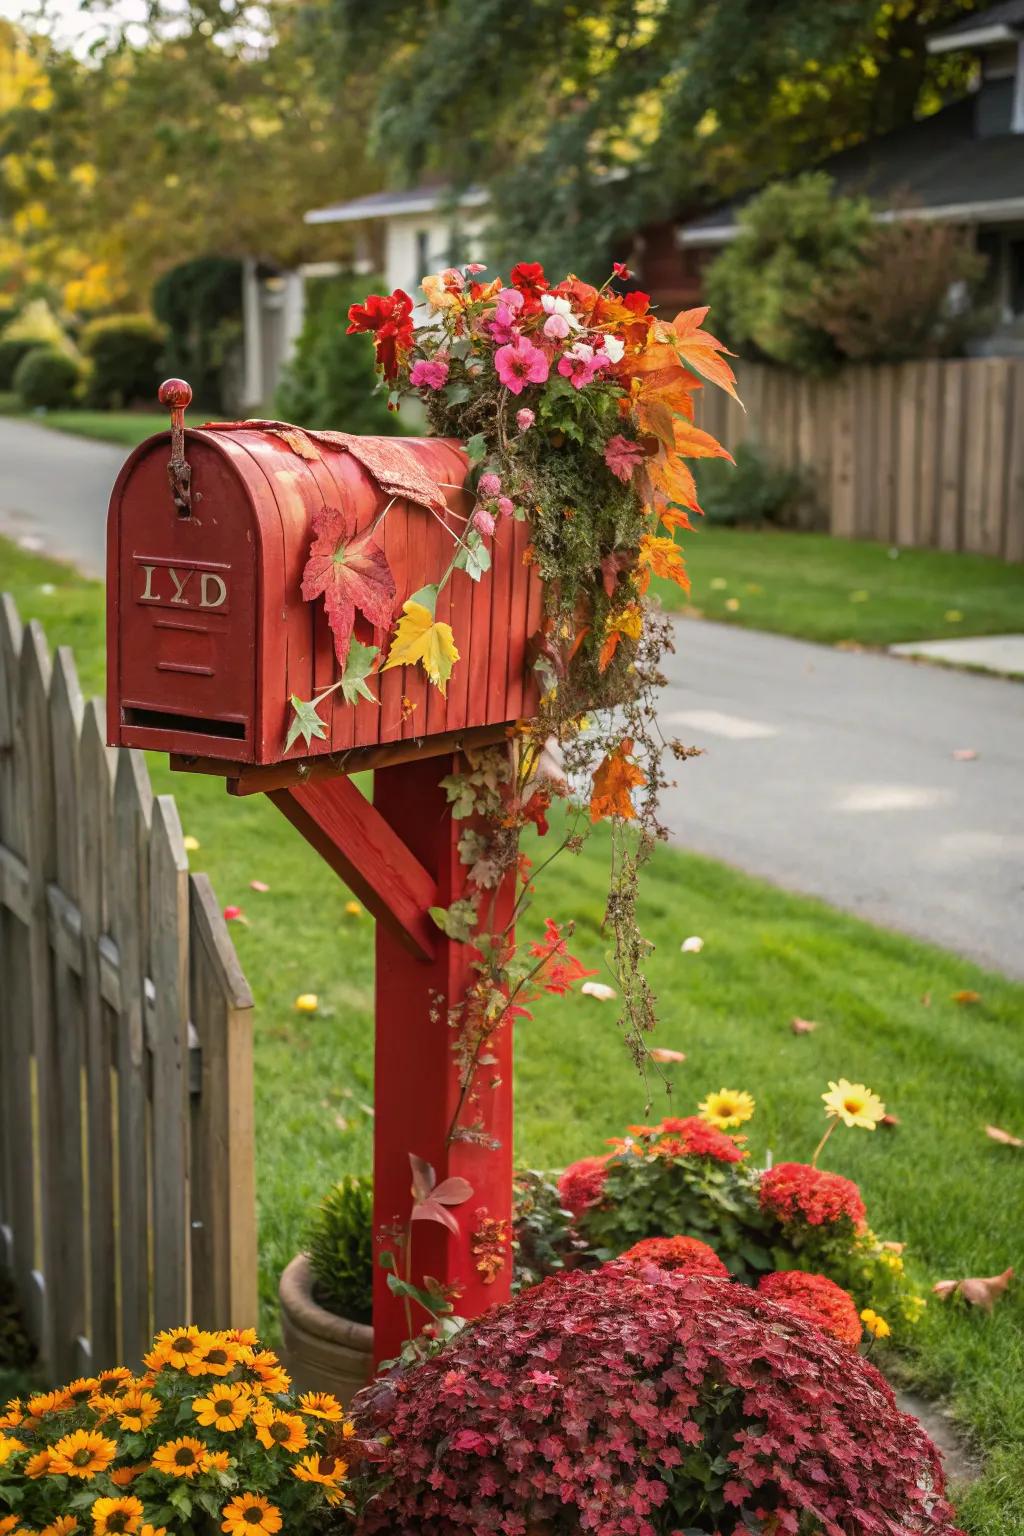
{"x":209,"y":636}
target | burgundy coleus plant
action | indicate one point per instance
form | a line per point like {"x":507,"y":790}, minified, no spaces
{"x":352,"y":572}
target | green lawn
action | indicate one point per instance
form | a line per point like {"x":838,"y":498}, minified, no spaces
{"x":836,"y":590}
{"x":125,"y":427}
{"x":886,"y":1017}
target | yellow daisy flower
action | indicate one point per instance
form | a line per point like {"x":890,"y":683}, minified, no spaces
{"x":153,"y":1530}
{"x":224,"y":1407}
{"x":123,"y":1477}
{"x":83,"y":1454}
{"x":64,"y":1525}
{"x":117,"y":1517}
{"x":80,"y":1391}
{"x":114,"y":1379}
{"x":7,"y":1524}
{"x":875,"y":1324}
{"x":727,"y":1107}
{"x":325,"y":1470}
{"x":39,"y":1464}
{"x":217,"y":1461}
{"x":12,"y":1415}
{"x":43,"y":1403}
{"x":176,"y":1347}
{"x":264,"y":1364}
{"x":9,"y":1447}
{"x":243,"y":1336}
{"x":137,"y":1410}
{"x":286,"y":1431}
{"x":321,"y":1405}
{"x":217,"y":1358}
{"x":250,"y":1513}
{"x":853,"y":1104}
{"x":180,"y":1458}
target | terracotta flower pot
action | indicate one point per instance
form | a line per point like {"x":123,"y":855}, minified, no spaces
{"x":322,"y":1351}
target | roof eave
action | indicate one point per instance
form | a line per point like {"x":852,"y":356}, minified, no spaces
{"x":991,"y":211}
{"x":353,"y":213}
{"x":980,"y":37}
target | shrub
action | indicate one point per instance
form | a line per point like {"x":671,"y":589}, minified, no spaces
{"x":614,"y":1402}
{"x":798,"y":1194}
{"x":330,"y":381}
{"x":17,"y":1351}
{"x":36,"y":322}
{"x":207,"y":1440}
{"x":582,"y":1184}
{"x":543,"y":1238}
{"x":340,"y":1247}
{"x":47,"y":379}
{"x":816,"y":1298}
{"x":12,"y":350}
{"x":200,"y":304}
{"x":682,"y":1255}
{"x":912,"y":293}
{"x":792,"y":237}
{"x":752,"y":491}
{"x":125,"y":353}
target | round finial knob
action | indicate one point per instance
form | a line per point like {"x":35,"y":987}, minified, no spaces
{"x":175,"y":393}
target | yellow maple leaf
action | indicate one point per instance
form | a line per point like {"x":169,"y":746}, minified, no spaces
{"x":660,"y":557}
{"x":614,"y":778}
{"x":628,"y":623}
{"x":420,"y":637}
{"x":702,"y":350}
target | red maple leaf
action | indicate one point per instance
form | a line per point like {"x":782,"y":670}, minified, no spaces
{"x":352,"y":572}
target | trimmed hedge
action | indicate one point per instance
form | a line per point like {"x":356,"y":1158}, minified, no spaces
{"x":46,"y":379}
{"x":125,"y":353}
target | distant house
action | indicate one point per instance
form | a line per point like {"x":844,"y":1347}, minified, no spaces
{"x":404,"y":235}
{"x":964,"y":164}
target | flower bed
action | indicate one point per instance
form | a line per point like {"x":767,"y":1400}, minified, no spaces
{"x":616,"y":1402}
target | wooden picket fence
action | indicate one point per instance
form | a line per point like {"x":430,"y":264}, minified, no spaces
{"x":127,"y":1198}
{"x":927,"y":454}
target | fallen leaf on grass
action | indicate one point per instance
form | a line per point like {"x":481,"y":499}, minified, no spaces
{"x":953,"y":616}
{"x":979,"y":1291}
{"x":353,"y":909}
{"x":894,"y":1247}
{"x":964,"y":755}
{"x":307,"y":1002}
{"x":234,"y":915}
{"x":926,"y":1000}
{"x":692,"y":946}
{"x":732,"y":604}
{"x":664,"y":1057}
{"x":1004,"y":1138}
{"x":803,"y":1026}
{"x":599,"y":990}
{"x":259,"y":885}
{"x":190,"y":843}
{"x":890,"y":1121}
{"x":967,"y":996}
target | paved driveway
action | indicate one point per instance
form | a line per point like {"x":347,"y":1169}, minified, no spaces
{"x":825,"y":771}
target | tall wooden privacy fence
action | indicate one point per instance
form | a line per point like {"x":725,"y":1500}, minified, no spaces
{"x":926,"y":453}
{"x":127,"y":1197}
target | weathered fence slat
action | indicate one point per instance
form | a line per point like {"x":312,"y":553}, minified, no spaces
{"x":120,"y":990}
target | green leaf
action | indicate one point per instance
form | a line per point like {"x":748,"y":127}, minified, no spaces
{"x":457,"y":394}
{"x":426,"y":597}
{"x":478,"y":556}
{"x":307,"y":722}
{"x":476,"y":447}
{"x":358,"y":664}
{"x":457,"y":921}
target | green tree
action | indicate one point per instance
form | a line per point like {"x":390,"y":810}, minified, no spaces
{"x":589,"y":118}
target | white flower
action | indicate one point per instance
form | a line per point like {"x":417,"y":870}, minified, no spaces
{"x":614,"y":347}
{"x":692,"y":946}
{"x":597,"y":989}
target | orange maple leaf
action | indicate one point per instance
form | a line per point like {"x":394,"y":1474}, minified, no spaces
{"x":660,"y":557}
{"x":614,"y":778}
{"x":702,"y":350}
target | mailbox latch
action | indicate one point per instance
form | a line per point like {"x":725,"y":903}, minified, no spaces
{"x":177,"y":394}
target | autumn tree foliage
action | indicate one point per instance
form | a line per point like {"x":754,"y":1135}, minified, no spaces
{"x":618,"y":1402}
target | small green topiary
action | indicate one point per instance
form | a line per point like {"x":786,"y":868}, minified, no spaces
{"x":340,"y":1248}
{"x":47,"y":379}
{"x":12,"y":350}
{"x":125,"y":353}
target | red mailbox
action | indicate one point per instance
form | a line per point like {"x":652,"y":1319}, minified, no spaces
{"x":209,"y":635}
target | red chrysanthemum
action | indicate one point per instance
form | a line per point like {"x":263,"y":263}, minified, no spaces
{"x":388,"y":318}
{"x":693,"y":1137}
{"x":798,"y":1192}
{"x":816,"y":1298}
{"x":582,"y":1184}
{"x":683,"y":1255}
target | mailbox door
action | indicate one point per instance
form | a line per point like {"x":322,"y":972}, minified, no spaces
{"x":183,"y":641}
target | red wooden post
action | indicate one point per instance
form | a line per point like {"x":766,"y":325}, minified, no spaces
{"x":416,"y":1089}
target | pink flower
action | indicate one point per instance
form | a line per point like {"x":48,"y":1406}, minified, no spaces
{"x":622,"y":456}
{"x":506,"y":506}
{"x":561,"y":319}
{"x":525,"y":419}
{"x":579,"y":364}
{"x":502,"y":328}
{"x":429,"y":375}
{"x":556,"y":327}
{"x":474,"y":267}
{"x":490,"y":485}
{"x":521,"y":363}
{"x":484,"y":521}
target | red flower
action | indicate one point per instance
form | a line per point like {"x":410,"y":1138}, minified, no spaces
{"x":528,"y":277}
{"x":388,"y":318}
{"x":621,"y":271}
{"x":637,"y":302}
{"x":582,"y":1184}
{"x":818,"y":1299}
{"x":797,"y":1192}
{"x":685,"y":1255}
{"x":693,"y":1137}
